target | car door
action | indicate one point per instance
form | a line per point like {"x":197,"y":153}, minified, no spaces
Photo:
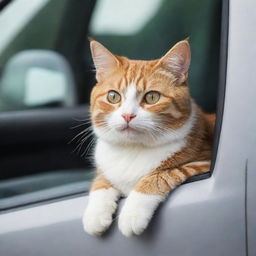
{"x":205,"y":217}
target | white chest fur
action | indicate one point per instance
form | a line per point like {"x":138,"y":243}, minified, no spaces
{"x":124,"y":166}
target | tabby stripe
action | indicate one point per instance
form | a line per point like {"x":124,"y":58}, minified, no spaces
{"x":170,"y":182}
{"x":178,"y":176}
{"x":165,"y":73}
{"x":99,"y":95}
{"x":177,"y":106}
{"x":167,"y":96}
{"x":191,"y":171}
{"x":160,"y":107}
{"x":139,"y":79}
{"x":139,"y":76}
{"x":144,"y":84}
{"x":106,"y":107}
{"x":185,"y":172}
{"x":126,"y":80}
{"x":199,"y":168}
{"x":119,"y":83}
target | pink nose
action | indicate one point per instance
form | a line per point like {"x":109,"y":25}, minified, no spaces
{"x":128,"y":117}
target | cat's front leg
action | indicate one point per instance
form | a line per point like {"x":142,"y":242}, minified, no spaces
{"x":152,"y":189}
{"x":137,"y":212}
{"x":101,"y":206}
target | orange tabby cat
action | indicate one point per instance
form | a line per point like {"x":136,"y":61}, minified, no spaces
{"x":151,"y":136}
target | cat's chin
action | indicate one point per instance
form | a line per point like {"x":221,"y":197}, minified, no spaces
{"x":129,"y":135}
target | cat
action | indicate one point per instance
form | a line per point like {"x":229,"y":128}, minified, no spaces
{"x":151,"y":136}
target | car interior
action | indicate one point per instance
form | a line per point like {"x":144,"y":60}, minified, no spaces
{"x":46,"y":75}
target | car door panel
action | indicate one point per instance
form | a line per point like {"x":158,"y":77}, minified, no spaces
{"x":195,"y":220}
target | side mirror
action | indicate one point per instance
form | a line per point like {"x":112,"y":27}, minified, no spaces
{"x":35,"y":79}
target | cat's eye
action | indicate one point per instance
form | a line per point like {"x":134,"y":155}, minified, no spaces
{"x":113,"y":97}
{"x":152,"y":97}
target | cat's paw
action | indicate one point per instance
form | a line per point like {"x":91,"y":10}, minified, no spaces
{"x":96,"y":221}
{"x":133,"y":223}
{"x":98,"y":214}
{"x":137,"y":213}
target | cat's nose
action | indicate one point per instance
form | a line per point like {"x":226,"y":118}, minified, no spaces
{"x":128,"y":117}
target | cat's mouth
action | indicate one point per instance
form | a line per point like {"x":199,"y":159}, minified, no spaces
{"x":128,"y":129}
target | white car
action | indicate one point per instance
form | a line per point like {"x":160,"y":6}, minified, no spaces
{"x":45,"y":83}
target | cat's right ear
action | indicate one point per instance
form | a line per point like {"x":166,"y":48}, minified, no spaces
{"x":105,"y":62}
{"x":177,"y":61}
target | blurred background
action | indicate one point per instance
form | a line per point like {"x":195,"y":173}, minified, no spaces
{"x":45,"y":64}
{"x":144,"y":29}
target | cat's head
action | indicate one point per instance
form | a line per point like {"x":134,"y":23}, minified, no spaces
{"x":141,"y":102}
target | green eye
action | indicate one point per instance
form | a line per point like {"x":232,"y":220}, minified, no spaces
{"x":152,"y":97}
{"x":113,"y":97}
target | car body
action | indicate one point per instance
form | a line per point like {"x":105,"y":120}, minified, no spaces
{"x":213,"y":215}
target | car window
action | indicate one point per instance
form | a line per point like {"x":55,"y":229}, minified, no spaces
{"x":45,"y":64}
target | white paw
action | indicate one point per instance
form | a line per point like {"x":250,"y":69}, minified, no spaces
{"x":98,"y":214}
{"x":96,"y":220}
{"x":132,"y":222}
{"x":137,"y":213}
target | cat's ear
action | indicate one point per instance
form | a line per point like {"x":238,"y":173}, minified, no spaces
{"x":177,"y":61}
{"x":105,"y":62}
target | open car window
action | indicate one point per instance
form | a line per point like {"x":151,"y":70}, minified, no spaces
{"x":46,"y":75}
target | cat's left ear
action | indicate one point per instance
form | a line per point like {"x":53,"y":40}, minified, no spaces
{"x":104,"y":61}
{"x":177,"y":61}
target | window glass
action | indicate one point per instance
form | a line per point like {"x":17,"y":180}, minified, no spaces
{"x":127,"y":20}
{"x":36,"y":73}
